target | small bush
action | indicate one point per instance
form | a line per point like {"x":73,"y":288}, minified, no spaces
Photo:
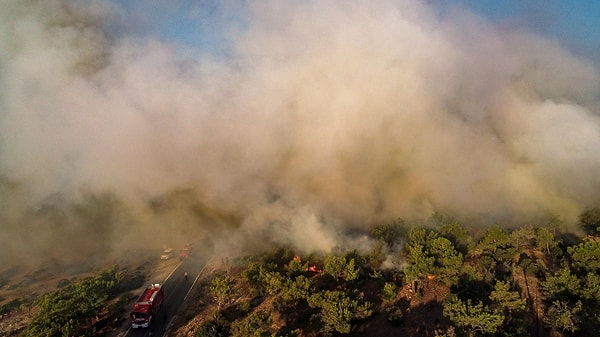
{"x":245,"y":307}
{"x":395,"y":316}
{"x":12,"y":305}
{"x":255,"y":324}
{"x":133,"y":282}
{"x":389,"y":292}
{"x":63,"y":283}
{"x":216,"y":327}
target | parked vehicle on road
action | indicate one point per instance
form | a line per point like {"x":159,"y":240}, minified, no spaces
{"x":184,"y":253}
{"x":147,"y":306}
{"x":166,"y":254}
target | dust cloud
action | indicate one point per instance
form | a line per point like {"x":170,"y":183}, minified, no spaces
{"x":321,"y":116}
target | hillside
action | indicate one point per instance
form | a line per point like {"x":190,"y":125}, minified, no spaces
{"x":506,"y":282}
{"x":413,"y":281}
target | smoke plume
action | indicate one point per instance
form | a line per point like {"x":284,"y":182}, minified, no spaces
{"x":321,"y":116}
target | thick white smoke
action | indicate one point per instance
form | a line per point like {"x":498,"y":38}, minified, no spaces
{"x":325,"y":114}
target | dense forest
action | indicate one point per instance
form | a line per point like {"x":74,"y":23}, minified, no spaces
{"x":437,"y":279}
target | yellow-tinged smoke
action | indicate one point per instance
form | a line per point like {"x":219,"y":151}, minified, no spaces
{"x":325,"y":114}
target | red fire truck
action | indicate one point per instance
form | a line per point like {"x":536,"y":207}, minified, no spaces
{"x":184,"y":253}
{"x":147,"y":306}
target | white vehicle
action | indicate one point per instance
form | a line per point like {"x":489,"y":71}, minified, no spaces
{"x":166,"y":254}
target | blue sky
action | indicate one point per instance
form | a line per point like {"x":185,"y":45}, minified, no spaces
{"x":575,"y":24}
{"x":202,"y":25}
{"x":196,"y":24}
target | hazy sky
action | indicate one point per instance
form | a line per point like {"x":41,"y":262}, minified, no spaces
{"x":299,"y":118}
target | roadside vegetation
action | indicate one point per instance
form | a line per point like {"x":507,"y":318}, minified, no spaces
{"x":81,"y":307}
{"x":439,"y":279}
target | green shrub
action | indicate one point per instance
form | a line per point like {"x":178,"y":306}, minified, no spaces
{"x":215,"y":327}
{"x":395,"y":316}
{"x":256,"y":324}
{"x":389,"y":292}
